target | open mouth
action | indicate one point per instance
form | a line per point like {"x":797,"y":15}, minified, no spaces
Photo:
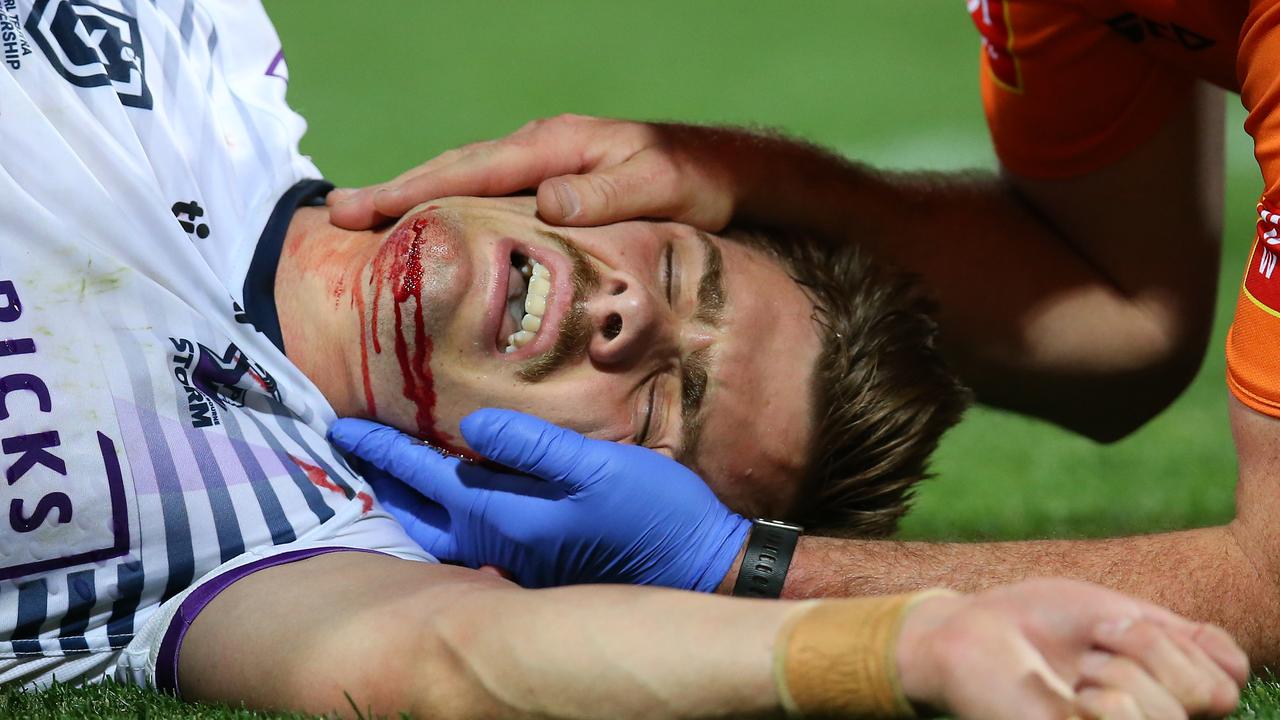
{"x":528,"y":284}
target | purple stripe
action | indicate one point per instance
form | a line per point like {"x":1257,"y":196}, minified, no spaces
{"x":167,"y":658}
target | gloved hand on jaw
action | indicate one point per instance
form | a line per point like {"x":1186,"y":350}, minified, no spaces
{"x":588,"y":511}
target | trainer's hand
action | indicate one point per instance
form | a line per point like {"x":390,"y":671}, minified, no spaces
{"x":588,"y":171}
{"x":588,"y":510}
{"x":1054,"y":649}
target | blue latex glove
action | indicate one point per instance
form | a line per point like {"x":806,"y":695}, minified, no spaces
{"x":588,"y":510}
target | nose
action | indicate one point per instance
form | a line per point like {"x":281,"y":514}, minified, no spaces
{"x":626,"y":321}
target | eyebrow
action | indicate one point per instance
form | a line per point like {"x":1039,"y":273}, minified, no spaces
{"x":693,"y":371}
{"x":710,"y":308}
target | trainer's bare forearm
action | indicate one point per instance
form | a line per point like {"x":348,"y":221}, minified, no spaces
{"x":1205,"y":574}
{"x":1228,"y":575}
{"x":1046,"y":295}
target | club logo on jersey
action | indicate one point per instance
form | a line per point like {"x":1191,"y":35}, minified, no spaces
{"x":1261,"y":281}
{"x":216,"y":381}
{"x":91,"y":46}
{"x":992,"y":19}
{"x":1136,"y":29}
{"x":13,"y":42}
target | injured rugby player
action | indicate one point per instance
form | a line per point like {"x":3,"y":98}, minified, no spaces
{"x":211,"y":542}
{"x":700,"y":347}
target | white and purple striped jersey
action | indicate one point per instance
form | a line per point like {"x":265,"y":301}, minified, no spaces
{"x":148,"y":431}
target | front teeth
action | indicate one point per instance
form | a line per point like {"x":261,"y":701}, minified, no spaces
{"x":535,"y":304}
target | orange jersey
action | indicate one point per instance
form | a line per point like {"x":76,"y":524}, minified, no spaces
{"x":1070,"y":86}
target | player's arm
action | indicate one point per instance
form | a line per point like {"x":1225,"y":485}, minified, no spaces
{"x":606,"y":498}
{"x":1098,"y":287}
{"x":360,"y":633}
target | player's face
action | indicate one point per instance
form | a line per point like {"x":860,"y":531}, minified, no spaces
{"x":641,"y":332}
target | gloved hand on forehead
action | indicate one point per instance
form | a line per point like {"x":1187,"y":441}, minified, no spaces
{"x":587,"y":511}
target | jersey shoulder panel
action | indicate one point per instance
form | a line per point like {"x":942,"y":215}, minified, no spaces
{"x":1066,"y":93}
{"x":147,"y":433}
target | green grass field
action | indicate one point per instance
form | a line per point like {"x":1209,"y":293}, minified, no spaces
{"x":386,"y":85}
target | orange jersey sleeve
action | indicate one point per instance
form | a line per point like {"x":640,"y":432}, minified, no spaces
{"x":1253,"y":343}
{"x":1065,"y":91}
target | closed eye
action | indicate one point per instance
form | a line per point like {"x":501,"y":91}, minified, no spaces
{"x":643,"y":435}
{"x":667,"y":262}
{"x":666,"y":272}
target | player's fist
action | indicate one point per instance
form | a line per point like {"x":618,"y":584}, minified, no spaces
{"x":587,"y":171}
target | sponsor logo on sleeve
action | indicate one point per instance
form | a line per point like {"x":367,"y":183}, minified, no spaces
{"x":992,"y":19}
{"x":1261,"y":281}
{"x":92,"y":46}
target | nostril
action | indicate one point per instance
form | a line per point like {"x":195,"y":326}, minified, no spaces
{"x":612,"y":326}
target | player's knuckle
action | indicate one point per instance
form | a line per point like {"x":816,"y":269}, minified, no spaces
{"x":661,"y":170}
{"x":606,"y":189}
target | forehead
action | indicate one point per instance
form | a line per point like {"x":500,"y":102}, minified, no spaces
{"x":521,"y":213}
{"x":758,"y":422}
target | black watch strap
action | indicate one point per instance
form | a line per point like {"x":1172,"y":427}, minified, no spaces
{"x":767,"y":559}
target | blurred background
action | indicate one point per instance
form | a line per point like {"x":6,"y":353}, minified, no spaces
{"x":387,"y":85}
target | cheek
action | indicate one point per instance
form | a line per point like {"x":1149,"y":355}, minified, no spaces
{"x":414,"y":278}
{"x":590,"y":408}
{"x":407,"y":391}
{"x":591,"y":404}
{"x":750,"y":467}
{"x":747,"y":489}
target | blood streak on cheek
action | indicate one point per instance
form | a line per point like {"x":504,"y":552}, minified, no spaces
{"x":338,"y":287}
{"x":357,"y":299}
{"x":320,"y":479}
{"x":399,"y":263}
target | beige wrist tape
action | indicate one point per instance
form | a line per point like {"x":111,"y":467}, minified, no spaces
{"x":838,"y":658}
